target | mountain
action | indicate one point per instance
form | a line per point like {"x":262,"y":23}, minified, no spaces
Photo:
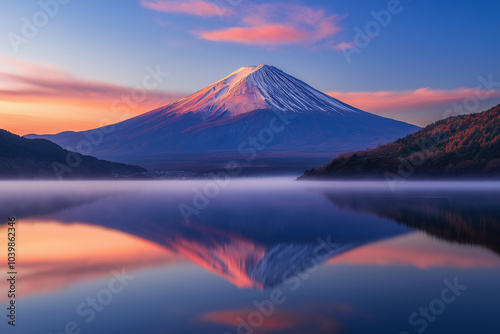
{"x":460,"y":146}
{"x":257,"y":115}
{"x":39,"y":158}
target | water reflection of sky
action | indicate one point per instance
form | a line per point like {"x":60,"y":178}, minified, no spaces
{"x":205,"y":276}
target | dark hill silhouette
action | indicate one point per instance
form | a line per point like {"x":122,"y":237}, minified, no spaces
{"x":22,"y":158}
{"x":460,"y":146}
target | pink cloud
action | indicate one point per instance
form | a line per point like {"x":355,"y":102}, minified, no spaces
{"x":422,"y":98}
{"x":269,"y":24}
{"x":189,"y":7}
{"x":259,"y":35}
{"x":13,"y":65}
{"x":421,"y":106}
{"x":278,"y":24}
{"x":69,"y":88}
{"x":21,"y":80}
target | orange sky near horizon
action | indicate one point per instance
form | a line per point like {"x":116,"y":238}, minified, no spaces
{"x":44,"y":115}
{"x":51,"y":117}
{"x":45,"y":99}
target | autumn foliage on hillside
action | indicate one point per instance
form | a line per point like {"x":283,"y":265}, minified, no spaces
{"x":466,"y":145}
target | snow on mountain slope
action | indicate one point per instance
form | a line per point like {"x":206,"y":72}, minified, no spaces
{"x":256,"y":87}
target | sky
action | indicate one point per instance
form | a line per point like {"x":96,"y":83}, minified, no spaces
{"x":76,"y":65}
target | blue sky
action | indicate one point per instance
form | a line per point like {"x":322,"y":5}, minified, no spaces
{"x":440,"y":46}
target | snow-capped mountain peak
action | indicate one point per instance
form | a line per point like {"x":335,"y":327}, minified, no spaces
{"x":255,"y":88}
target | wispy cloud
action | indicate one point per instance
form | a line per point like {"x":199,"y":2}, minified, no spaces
{"x":278,"y":24}
{"x":406,"y":99}
{"x":270,"y":24}
{"x":189,"y":7}
{"x":411,"y":103}
{"x":21,"y":80}
{"x":343,"y":46}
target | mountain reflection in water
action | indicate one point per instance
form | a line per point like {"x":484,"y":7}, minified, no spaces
{"x":386,"y":253}
{"x":253,"y":235}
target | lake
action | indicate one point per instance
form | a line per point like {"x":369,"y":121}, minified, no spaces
{"x":264,"y":255}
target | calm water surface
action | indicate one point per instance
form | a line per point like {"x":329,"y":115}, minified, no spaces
{"x":253,"y":256}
